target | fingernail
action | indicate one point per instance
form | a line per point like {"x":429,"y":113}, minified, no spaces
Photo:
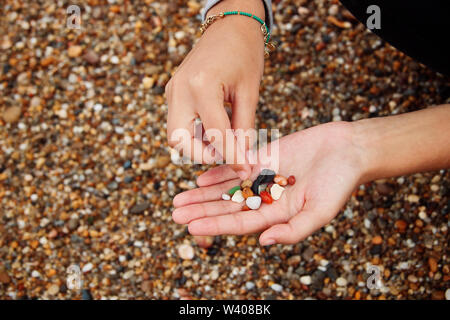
{"x":268,"y":242}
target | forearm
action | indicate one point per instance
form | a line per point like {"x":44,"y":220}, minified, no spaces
{"x":403,"y":144}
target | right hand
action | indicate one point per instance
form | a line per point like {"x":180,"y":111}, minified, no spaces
{"x":226,"y":65}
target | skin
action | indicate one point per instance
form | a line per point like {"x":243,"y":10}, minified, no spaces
{"x":209,"y":76}
{"x":329,"y":161}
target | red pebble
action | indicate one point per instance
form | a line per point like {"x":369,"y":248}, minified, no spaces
{"x":291,"y":180}
{"x":266,"y":197}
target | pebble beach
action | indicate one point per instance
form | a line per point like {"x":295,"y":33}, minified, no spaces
{"x":87,"y":177}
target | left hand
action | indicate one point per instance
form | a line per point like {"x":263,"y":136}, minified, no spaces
{"x":327,"y":166}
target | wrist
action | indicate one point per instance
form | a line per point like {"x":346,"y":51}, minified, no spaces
{"x":255,"y":7}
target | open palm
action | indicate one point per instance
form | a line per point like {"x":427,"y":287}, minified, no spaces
{"x":327,"y":167}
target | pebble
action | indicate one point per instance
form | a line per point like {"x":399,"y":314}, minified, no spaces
{"x":249,"y":285}
{"x":4,"y":277}
{"x":186,"y":252}
{"x":247,"y":192}
{"x":266,"y":176}
{"x":53,"y":289}
{"x":341,"y":282}
{"x":306,"y":280}
{"x":238,"y":197}
{"x":87,"y":267}
{"x":86,"y":294}
{"x":291,"y":180}
{"x":253,"y":202}
{"x":377,"y":240}
{"x":280,"y":180}
{"x":266,"y":197}
{"x":11,"y":114}
{"x":91,"y":57}
{"x":204,"y":241}
{"x":276,"y":287}
{"x":233,"y":190}
{"x":246,"y":184}
{"x":276,"y":191}
{"x":74,"y":51}
{"x":447,"y":294}
{"x":226,"y":196}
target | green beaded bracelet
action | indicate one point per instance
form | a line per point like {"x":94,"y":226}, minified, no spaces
{"x":268,"y":46}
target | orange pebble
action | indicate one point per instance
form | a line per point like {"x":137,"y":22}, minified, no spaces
{"x":279,"y":179}
{"x":247,"y":192}
{"x":245,"y":208}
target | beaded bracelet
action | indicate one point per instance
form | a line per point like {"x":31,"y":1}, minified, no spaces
{"x":268,"y":46}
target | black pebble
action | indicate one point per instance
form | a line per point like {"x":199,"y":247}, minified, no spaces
{"x":86,"y":294}
{"x":266,"y":176}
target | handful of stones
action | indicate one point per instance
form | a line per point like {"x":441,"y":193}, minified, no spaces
{"x":267,"y":187}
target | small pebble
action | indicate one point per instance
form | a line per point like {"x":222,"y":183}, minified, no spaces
{"x":204,"y":241}
{"x":12,"y":114}
{"x":250,"y":285}
{"x":447,"y":294}
{"x":276,"y":287}
{"x":265,"y":197}
{"x":306,"y":280}
{"x":226,"y":196}
{"x":247,"y":192}
{"x":291,"y":180}
{"x":276,"y":191}
{"x":186,"y":252}
{"x":53,"y":289}
{"x":245,"y":208}
{"x":233,"y":190}
{"x":341,"y":282}
{"x":253,"y":202}
{"x":246,"y":184}
{"x":279,"y":179}
{"x":238,"y":197}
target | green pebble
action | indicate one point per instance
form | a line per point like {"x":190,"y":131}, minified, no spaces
{"x":233,"y":190}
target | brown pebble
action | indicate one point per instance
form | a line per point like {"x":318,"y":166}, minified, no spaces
{"x":204,"y":241}
{"x":91,"y":57}
{"x":401,"y":225}
{"x":247,"y":192}
{"x":279,"y":179}
{"x":4,"y":278}
{"x":12,"y":114}
{"x":432,"y":263}
{"x":246,"y":184}
{"x":74,"y":51}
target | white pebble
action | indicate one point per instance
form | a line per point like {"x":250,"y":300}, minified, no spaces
{"x":341,"y":282}
{"x":306,"y":280}
{"x":276,"y":287}
{"x":447,"y":294}
{"x":34,"y":197}
{"x":250,"y":285}
{"x":35,"y":274}
{"x":253,"y":202}
{"x":226,"y":196}
{"x":87,"y":267}
{"x":114,"y":60}
{"x":186,"y":252}
{"x":238,"y":197}
{"x":276,"y":191}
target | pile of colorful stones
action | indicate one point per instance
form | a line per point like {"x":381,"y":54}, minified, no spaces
{"x":267,"y":187}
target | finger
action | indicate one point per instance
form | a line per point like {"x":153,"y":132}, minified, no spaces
{"x":191,"y":212}
{"x":216,"y":175}
{"x":218,"y":130}
{"x":183,"y":134}
{"x":203,"y":194}
{"x":238,"y":223}
{"x":295,"y":230}
{"x":244,"y":108}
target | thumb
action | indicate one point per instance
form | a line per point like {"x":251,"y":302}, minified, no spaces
{"x":296,"y":229}
{"x":218,"y":131}
{"x":243,"y":123}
